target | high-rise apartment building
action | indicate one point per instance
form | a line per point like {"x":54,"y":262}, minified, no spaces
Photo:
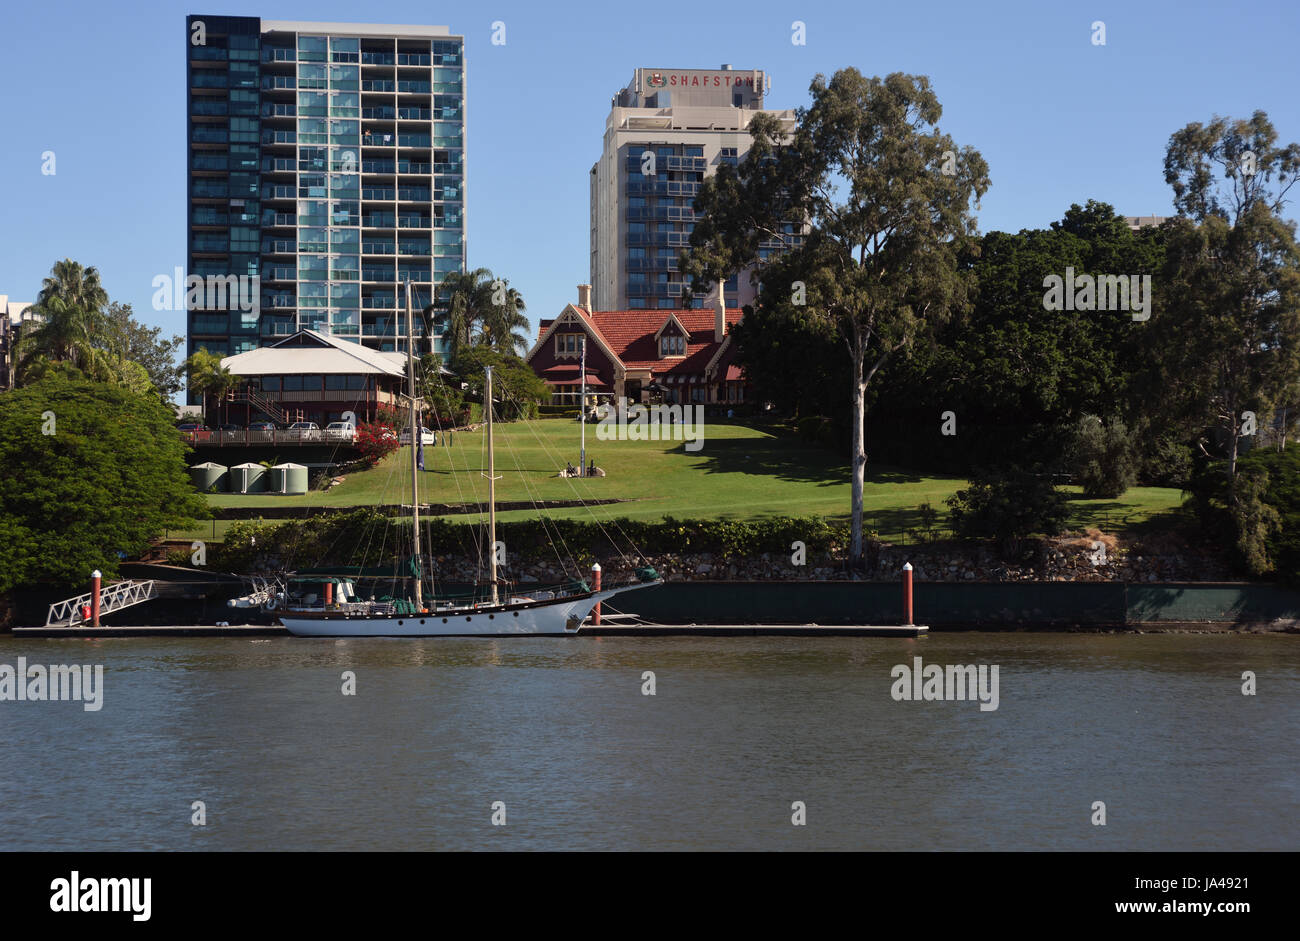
{"x":326,"y":166}
{"x":689,"y":121}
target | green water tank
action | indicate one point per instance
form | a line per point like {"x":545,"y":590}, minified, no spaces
{"x":248,"y":478}
{"x":207,"y":476}
{"x":289,"y":478}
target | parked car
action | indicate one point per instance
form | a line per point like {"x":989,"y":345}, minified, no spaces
{"x":194,"y":432}
{"x":232,"y":427}
{"x":262,"y":426}
{"x":305,"y":431}
{"x":340,"y":431}
{"x":426,"y":436}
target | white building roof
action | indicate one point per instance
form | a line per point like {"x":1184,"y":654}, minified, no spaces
{"x":16,"y":310}
{"x":310,"y":352}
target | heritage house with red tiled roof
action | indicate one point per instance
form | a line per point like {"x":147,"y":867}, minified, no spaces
{"x":682,"y":356}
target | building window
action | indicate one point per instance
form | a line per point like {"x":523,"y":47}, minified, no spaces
{"x":567,"y":343}
{"x":672,"y":346}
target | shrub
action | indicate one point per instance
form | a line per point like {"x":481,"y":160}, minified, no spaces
{"x":816,"y":429}
{"x":1103,"y":457}
{"x":1008,"y":505}
{"x":375,"y":442}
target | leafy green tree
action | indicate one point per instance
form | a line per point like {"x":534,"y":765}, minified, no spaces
{"x":443,"y":398}
{"x":516,"y":389}
{"x":1017,"y":376}
{"x":87,"y":470}
{"x":793,"y":362}
{"x":1241,"y":512}
{"x":1229,"y":331}
{"x":147,"y":346}
{"x":860,"y":215}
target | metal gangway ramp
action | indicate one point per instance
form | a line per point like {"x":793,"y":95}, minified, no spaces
{"x":112,"y":598}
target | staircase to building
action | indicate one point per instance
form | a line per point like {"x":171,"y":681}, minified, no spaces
{"x":263,"y":404}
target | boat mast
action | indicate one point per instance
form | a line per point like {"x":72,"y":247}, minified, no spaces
{"x":492,"y":480}
{"x":582,"y":411}
{"x":415,"y":477}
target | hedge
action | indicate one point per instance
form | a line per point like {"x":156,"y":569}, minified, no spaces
{"x":367,"y":537}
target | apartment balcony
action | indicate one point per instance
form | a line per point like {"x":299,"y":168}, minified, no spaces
{"x":209,"y":217}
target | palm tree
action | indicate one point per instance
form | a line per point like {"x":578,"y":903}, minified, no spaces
{"x":505,"y":328}
{"x":71,"y":325}
{"x":208,"y":377}
{"x":65,"y":333}
{"x":465,"y":300}
{"x":76,"y":284}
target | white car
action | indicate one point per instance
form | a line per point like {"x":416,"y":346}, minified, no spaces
{"x":304,"y":431}
{"x":426,"y":436}
{"x":340,"y":431}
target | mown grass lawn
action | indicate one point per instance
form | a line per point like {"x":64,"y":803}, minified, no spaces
{"x":740,"y":472}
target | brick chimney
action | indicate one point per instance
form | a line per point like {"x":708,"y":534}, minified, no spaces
{"x":584,"y":296}
{"x":720,"y":315}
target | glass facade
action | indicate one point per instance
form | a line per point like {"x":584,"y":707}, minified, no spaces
{"x":330,"y":167}
{"x":660,"y":217}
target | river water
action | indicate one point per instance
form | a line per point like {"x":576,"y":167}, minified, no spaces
{"x":739,"y":729}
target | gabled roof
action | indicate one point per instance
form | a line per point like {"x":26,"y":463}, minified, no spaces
{"x":309,"y":351}
{"x":585,"y":317}
{"x":633,"y":334}
{"x":672,"y":318}
{"x":631,"y":337}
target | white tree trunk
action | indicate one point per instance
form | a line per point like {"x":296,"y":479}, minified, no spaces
{"x":859,"y":456}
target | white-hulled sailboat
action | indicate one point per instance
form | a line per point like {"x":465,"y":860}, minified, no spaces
{"x":340,"y":614}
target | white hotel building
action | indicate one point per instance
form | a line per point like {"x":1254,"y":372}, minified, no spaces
{"x":693,"y":120}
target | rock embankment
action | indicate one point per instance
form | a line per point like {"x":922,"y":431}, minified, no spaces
{"x":1090,"y":556}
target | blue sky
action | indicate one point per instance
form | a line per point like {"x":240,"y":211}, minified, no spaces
{"x":1058,"y":119}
